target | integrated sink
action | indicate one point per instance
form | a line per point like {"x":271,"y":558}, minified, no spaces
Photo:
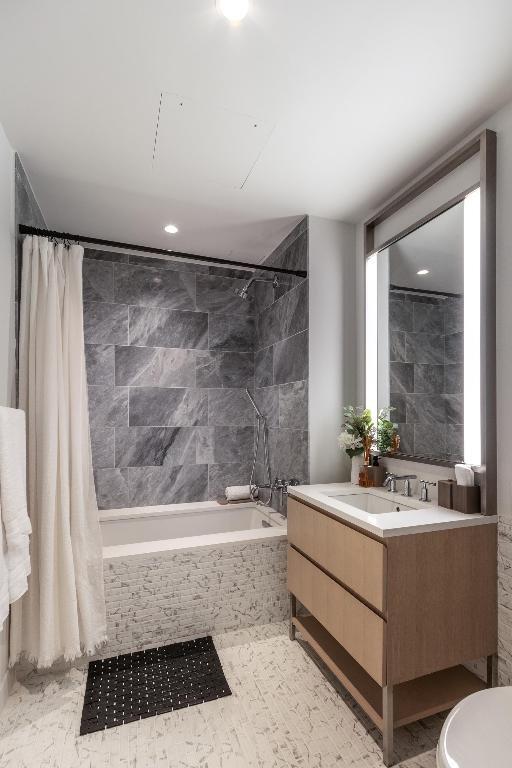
{"x":371,"y":503}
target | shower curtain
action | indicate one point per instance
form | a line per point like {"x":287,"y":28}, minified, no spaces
{"x":63,"y":612}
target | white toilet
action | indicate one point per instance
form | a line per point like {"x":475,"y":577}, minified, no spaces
{"x":478,"y":732}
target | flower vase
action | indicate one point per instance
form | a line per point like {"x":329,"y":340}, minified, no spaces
{"x":357,"y":463}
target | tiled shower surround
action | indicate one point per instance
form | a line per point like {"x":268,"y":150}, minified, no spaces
{"x":170,"y":349}
{"x":164,"y":597}
{"x":281,"y":360}
{"x":426,"y":373}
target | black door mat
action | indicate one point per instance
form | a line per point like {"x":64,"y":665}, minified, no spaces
{"x":147,"y":683}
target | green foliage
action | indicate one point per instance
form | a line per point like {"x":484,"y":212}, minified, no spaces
{"x":385,"y":431}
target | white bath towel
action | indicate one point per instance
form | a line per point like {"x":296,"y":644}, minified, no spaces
{"x":13,"y":504}
{"x":238,"y":492}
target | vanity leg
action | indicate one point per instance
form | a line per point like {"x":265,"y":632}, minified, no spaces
{"x":492,"y":671}
{"x":387,"y":726}
{"x":293,"y":613}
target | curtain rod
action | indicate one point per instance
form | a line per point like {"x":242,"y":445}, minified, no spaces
{"x":26,"y":230}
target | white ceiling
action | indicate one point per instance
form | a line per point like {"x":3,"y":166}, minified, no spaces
{"x":437,"y":246}
{"x":352,"y":98}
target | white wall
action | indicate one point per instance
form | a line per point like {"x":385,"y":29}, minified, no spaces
{"x":501,"y":122}
{"x":332,"y":343}
{"x":7,"y":337}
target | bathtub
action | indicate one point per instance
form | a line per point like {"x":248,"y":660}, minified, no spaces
{"x":176,"y":572}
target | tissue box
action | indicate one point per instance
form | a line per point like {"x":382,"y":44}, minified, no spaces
{"x":466,"y":499}
{"x":445,"y":493}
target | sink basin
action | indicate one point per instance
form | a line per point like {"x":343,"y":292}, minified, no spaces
{"x":369,"y":502}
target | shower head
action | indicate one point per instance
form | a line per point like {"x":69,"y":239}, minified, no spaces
{"x":243,"y":292}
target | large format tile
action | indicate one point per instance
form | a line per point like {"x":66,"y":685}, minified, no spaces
{"x":285,"y":317}
{"x":229,"y":407}
{"x":401,"y":377}
{"x":168,"y":485}
{"x":455,"y":442}
{"x":430,"y":440}
{"x":289,"y":454}
{"x":454,"y":409}
{"x":99,"y":362}
{"x":177,"y":407}
{"x":429,"y":379}
{"x":454,"y":348}
{"x":148,"y":366}
{"x":105,"y":323}
{"x":108,"y":406}
{"x":223,"y":445}
{"x":112,"y":488}
{"x":234,"y":332}
{"x":398,"y":409}
{"x":428,"y":318}
{"x":102,"y":447}
{"x":217,"y":294}
{"x":397,"y":346}
{"x":424,"y":348}
{"x":264,"y":367}
{"x":291,"y":359}
{"x":293,"y":405}
{"x":400,"y":315}
{"x":98,"y":281}
{"x":425,"y":409}
{"x":225,"y":369}
{"x":155,"y":446}
{"x":159,"y":327}
{"x":454,"y":378}
{"x":454,"y":316}
{"x":146,"y":286}
{"x":221,"y":476}
{"x":267,"y":400}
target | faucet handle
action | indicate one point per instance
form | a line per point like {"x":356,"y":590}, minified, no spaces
{"x":424,"y":489}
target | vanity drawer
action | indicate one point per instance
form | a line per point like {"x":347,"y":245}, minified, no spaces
{"x":357,"y":628}
{"x":355,"y":559}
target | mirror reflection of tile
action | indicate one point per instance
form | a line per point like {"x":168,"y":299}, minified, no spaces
{"x":426,"y":372}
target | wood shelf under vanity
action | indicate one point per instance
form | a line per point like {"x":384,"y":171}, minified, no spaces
{"x":414,"y":700}
{"x":396,"y":618}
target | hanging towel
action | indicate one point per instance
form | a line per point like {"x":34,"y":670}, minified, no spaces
{"x":14,"y":518}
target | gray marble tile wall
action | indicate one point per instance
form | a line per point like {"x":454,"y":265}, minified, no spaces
{"x":426,"y":373}
{"x":281,"y":359}
{"x":169,"y":352}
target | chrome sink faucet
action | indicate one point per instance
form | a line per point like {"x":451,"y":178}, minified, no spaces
{"x":391,"y":479}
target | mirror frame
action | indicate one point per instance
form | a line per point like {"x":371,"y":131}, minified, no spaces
{"x":484,"y":145}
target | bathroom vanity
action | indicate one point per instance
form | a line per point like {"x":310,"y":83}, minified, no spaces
{"x":396,"y":595}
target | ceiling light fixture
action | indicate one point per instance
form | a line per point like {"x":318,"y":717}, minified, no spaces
{"x":233,"y":10}
{"x":171,"y":229}
{"x":423,"y":271}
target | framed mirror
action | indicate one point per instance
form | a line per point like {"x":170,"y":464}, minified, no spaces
{"x":430,"y":315}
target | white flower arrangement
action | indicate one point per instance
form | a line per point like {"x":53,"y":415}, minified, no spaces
{"x":348,"y":442}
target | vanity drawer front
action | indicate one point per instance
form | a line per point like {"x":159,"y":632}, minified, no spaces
{"x":358,"y":629}
{"x":355,"y":559}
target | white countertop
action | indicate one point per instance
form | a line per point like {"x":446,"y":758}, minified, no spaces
{"x":426,"y":516}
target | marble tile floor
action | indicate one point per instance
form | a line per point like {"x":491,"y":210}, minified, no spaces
{"x":283,"y":713}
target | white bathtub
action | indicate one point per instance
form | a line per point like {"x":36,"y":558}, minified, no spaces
{"x":150,"y":529}
{"x":177,"y":572}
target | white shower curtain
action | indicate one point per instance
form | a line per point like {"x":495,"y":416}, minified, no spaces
{"x":63,"y":613}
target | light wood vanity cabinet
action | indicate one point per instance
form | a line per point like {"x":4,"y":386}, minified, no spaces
{"x":395,"y":618}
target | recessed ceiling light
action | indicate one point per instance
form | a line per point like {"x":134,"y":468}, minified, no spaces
{"x":423,"y":271}
{"x":233,"y":10}
{"x":171,"y":229}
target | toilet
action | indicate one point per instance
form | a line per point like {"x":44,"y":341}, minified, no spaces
{"x":478,"y":732}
